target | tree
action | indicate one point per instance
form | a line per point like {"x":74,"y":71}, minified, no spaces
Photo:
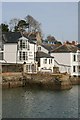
{"x":13,"y":24}
{"x":4,"y":27}
{"x":16,"y":29}
{"x":51,"y":39}
{"x":58,"y":43}
{"x":67,"y":42}
{"x":34,"y":25}
{"x":22,"y":25}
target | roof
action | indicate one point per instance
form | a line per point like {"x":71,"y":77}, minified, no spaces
{"x":65,"y":49}
{"x":78,"y":46}
{"x":48,"y":46}
{"x":13,"y":37}
{"x":43,"y":55}
{"x":32,"y":37}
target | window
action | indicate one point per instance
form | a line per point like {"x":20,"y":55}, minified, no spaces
{"x":74,"y":70}
{"x":45,"y":61}
{"x":28,"y":47}
{"x":26,"y":56}
{"x":78,"y":58}
{"x":74,"y":57}
{"x":1,"y":56}
{"x":39,"y":48}
{"x":20,"y":43}
{"x":23,"y":56}
{"x":49,"y":61}
{"x":29,"y":68}
{"x":19,"y":55}
{"x":26,"y":44}
{"x":26,"y":68}
{"x":23,"y":44}
{"x":79,"y":69}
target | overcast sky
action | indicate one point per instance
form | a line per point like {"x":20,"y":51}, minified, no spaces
{"x":59,"y":19}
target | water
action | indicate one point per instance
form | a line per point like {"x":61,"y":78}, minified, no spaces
{"x":0,"y":103}
{"x":36,"y":103}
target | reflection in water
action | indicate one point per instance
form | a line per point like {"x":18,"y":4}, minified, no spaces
{"x":33,"y":103}
{"x":0,"y":92}
{"x":0,"y":103}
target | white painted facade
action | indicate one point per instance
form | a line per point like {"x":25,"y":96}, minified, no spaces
{"x":66,"y":62}
{"x":21,"y":52}
{"x":63,"y":61}
{"x":46,"y":64}
{"x":75,"y":64}
{"x":10,"y":53}
{"x":27,"y":52}
{"x":14,"y":53}
{"x":41,"y":48}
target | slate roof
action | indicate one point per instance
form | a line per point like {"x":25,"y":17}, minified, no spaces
{"x":65,"y":49}
{"x":31,"y":36}
{"x":43,"y":55}
{"x":48,"y":47}
{"x":78,"y":46}
{"x":13,"y":37}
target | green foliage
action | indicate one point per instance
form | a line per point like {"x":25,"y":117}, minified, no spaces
{"x":58,"y":43}
{"x":16,"y":29}
{"x":4,"y":27}
{"x":22,"y":25}
{"x":51,"y":38}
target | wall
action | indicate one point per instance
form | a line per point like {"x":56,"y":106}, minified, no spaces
{"x":10,"y":53}
{"x":43,"y":49}
{"x":48,"y":66}
{"x":30,"y":53}
{"x":12,"y":68}
{"x":75,"y":63}
{"x":64,"y":59}
{"x":39,"y":80}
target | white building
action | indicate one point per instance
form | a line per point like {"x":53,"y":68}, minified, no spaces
{"x":19,"y":49}
{"x":75,"y":63}
{"x":66,"y":59}
{"x":46,"y":48}
{"x":41,"y":48}
{"x":45,"y":62}
{"x":10,"y":52}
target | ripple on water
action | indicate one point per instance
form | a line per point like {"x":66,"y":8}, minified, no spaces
{"x":21,"y":102}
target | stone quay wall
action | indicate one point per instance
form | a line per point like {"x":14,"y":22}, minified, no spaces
{"x":39,"y":80}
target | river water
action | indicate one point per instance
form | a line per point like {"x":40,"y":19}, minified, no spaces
{"x":37,"y":103}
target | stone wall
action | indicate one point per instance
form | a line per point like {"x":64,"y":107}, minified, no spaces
{"x":12,"y":68}
{"x":11,"y":81}
{"x":39,"y":80}
{"x":48,"y":81}
{"x":75,"y":80}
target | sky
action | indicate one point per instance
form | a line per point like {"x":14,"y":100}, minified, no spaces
{"x":59,"y":19}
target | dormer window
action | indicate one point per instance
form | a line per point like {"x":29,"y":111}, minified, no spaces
{"x":20,"y":43}
{"x":23,"y":44}
{"x":39,"y":48}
